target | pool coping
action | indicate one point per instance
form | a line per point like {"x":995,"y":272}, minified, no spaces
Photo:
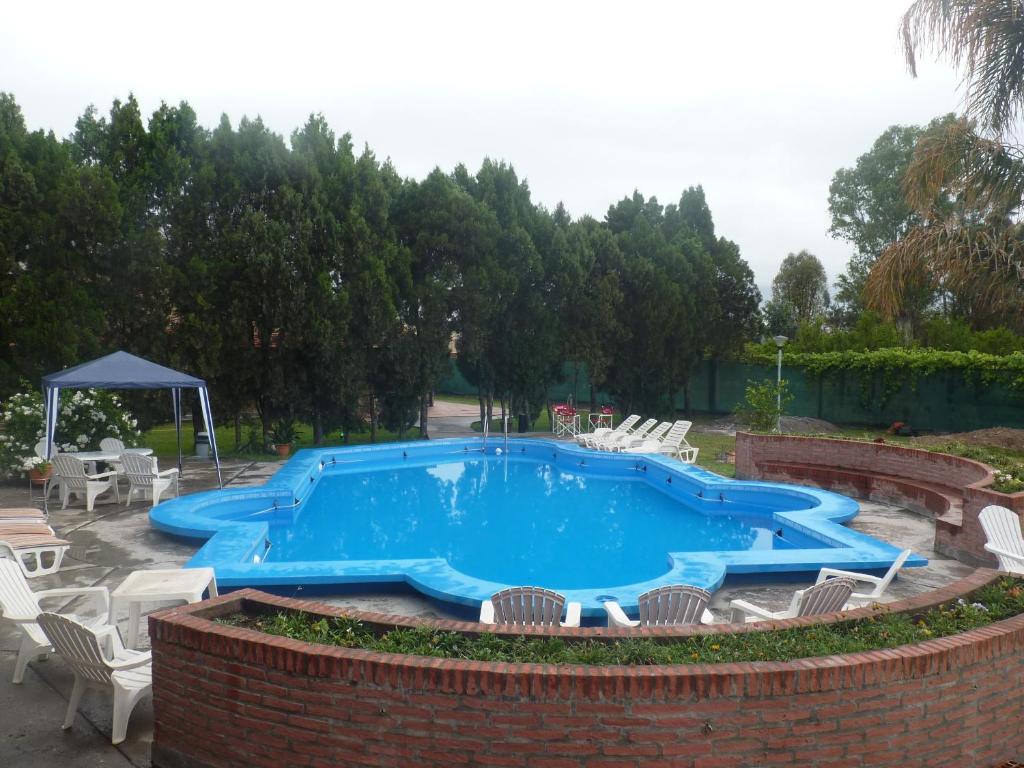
{"x":235,"y":549}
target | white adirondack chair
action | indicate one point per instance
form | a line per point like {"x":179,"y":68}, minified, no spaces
{"x":529,"y":607}
{"x":20,"y":606}
{"x":612,"y":442}
{"x":827,"y":597}
{"x":33,"y":545}
{"x":1004,"y":539}
{"x":144,"y":477}
{"x":75,"y":482}
{"x":601,"y":433}
{"x":54,"y":482}
{"x":881,"y":583}
{"x":128,"y":673}
{"x":113,"y":445}
{"x":655,"y":434}
{"x":665,"y":606}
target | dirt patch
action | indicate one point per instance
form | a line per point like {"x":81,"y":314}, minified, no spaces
{"x":998,"y":437}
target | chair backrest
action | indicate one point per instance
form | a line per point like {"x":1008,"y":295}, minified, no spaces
{"x":827,"y":597}
{"x":16,"y":598}
{"x":70,"y":469}
{"x":674,"y":604}
{"x":140,"y":470}
{"x":644,"y":428}
{"x":659,"y":431}
{"x":111,"y":444}
{"x":40,"y":449}
{"x":893,"y":570}
{"x":1002,"y":529}
{"x":78,"y":645}
{"x":677,"y":434}
{"x":627,"y":423}
{"x":527,"y":606}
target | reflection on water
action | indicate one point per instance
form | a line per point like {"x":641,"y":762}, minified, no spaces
{"x":515,"y":522}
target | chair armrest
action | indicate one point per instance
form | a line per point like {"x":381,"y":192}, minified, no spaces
{"x":486,"y":612}
{"x":100,"y":595}
{"x":573,"y":612}
{"x":167,"y":472}
{"x":707,"y":617}
{"x":828,"y":573}
{"x":617,"y":617}
{"x":101,"y":475}
{"x":146,"y":658}
{"x":741,"y":609}
{"x":1004,"y":553}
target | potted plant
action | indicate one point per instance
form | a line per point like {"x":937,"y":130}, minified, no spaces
{"x":40,"y":470}
{"x":283,"y":435}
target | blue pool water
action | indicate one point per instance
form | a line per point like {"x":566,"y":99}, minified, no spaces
{"x":458,"y":520}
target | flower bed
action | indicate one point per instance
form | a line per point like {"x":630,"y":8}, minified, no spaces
{"x":231,"y":696}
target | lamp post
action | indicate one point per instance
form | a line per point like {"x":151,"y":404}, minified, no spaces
{"x":779,"y":342}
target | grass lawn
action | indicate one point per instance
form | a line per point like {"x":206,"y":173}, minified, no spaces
{"x":163,"y":442}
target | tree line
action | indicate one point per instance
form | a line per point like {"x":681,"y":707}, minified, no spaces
{"x":308,"y":280}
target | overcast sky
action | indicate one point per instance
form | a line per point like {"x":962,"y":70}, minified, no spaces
{"x":759,"y":102}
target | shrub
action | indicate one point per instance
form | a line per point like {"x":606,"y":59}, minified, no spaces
{"x":86,"y":417}
{"x":761,"y":410}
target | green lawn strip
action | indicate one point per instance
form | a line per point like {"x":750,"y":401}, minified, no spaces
{"x":1002,"y":599}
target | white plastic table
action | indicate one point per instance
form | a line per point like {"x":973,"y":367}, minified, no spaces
{"x":185,"y":584}
{"x":91,"y":457}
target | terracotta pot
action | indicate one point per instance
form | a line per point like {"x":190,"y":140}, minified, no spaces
{"x":283,"y":449}
{"x":40,"y":478}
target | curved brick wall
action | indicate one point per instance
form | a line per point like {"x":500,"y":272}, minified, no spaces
{"x":950,"y":488}
{"x":227,"y":697}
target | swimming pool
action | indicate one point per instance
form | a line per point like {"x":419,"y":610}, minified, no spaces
{"x":458,"y":523}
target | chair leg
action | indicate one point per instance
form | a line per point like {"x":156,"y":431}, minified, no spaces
{"x":73,"y":702}
{"x":28,"y":651}
{"x":124,"y":704}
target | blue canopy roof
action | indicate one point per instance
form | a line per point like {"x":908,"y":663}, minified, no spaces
{"x":121,"y":370}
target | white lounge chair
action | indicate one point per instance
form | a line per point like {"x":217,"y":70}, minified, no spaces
{"x":665,"y":606}
{"x":673,"y":444}
{"x":1003,"y":537}
{"x":20,"y":606}
{"x":145,"y":477}
{"x":827,"y":597}
{"x":881,"y":583}
{"x":33,"y":546}
{"x":75,"y":482}
{"x":611,"y":442}
{"x":128,"y":673}
{"x":657,"y":434}
{"x":529,"y":607}
{"x":601,"y":433}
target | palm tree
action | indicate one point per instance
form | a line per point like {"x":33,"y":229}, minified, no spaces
{"x":967,"y":184}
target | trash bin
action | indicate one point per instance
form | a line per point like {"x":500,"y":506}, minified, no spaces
{"x":524,"y":423}
{"x":203,"y":445}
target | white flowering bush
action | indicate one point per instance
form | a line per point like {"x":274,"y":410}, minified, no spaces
{"x":86,"y":417}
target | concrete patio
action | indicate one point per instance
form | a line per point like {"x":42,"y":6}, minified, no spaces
{"x":113,"y":541}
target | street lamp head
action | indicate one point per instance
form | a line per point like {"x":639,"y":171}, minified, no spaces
{"x":780,"y":340}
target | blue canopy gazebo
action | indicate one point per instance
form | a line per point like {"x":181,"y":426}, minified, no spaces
{"x":122,"y":370}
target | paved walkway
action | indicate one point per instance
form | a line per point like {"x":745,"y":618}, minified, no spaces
{"x":113,"y":541}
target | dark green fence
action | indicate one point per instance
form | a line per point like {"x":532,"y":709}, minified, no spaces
{"x":943,"y":402}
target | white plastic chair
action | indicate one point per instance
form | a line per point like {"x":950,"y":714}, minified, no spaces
{"x":827,"y":597}
{"x":881,"y":582}
{"x":612,"y":442}
{"x":600,"y":433}
{"x":673,"y":444}
{"x":144,"y":477}
{"x":20,"y":606}
{"x":128,"y":673}
{"x":1004,"y":539}
{"x":673,"y":605}
{"x":529,"y":607}
{"x":75,"y":482}
{"x":113,"y":445}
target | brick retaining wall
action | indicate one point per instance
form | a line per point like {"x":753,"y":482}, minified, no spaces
{"x":226,"y":697}
{"x":932,"y":479}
